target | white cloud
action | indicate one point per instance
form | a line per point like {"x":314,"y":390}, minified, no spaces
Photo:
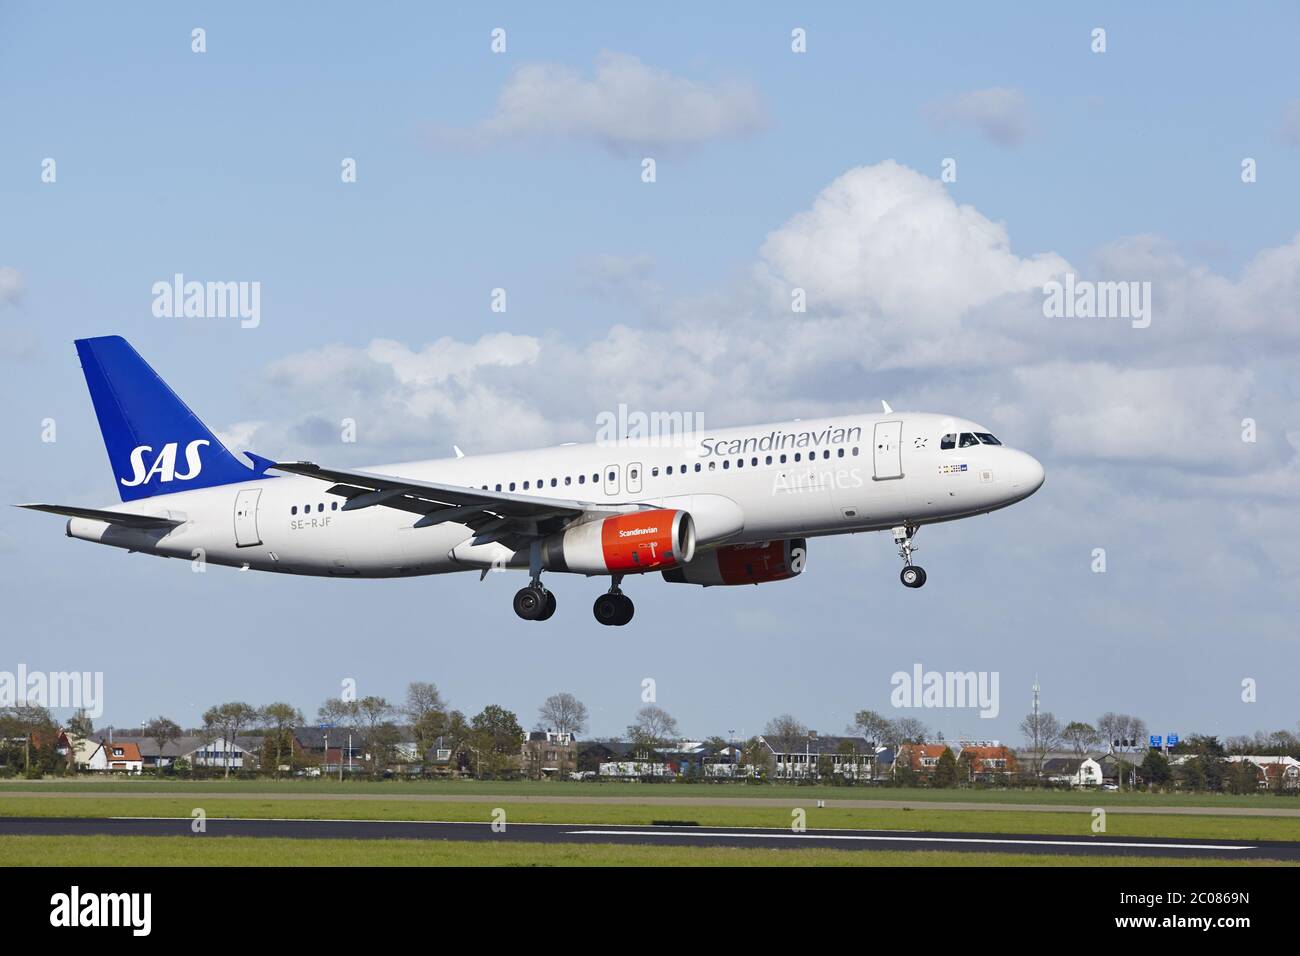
{"x":626,"y":106}
{"x":1000,"y":113}
{"x":1100,"y":412}
{"x":11,"y":285}
{"x":912,"y":297}
{"x":889,"y":251}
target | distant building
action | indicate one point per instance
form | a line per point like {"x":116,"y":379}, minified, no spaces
{"x":1274,"y":773}
{"x":989,"y":762}
{"x":549,"y":753}
{"x":1073,"y":771}
{"x":922,"y":758}
{"x":848,"y":757}
{"x":331,"y":748}
{"x":119,"y":756}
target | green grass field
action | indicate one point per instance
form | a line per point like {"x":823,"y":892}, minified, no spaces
{"x":1045,"y":812}
{"x":253,"y":851}
{"x":1069,"y":823}
{"x":1078,"y":798}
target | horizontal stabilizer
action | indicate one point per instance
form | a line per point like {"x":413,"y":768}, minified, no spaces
{"x":112,"y":517}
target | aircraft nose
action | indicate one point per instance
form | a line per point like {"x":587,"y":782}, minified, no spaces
{"x":1027,"y":474}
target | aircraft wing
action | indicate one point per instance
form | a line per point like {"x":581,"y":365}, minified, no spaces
{"x":112,"y":517}
{"x":508,"y":513}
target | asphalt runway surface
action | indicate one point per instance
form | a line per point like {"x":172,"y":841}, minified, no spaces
{"x":656,"y":835}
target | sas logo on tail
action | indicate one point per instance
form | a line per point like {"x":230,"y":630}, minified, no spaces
{"x":164,"y":466}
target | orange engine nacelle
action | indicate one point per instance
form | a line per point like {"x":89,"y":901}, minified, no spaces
{"x":623,"y":544}
{"x":743,"y":564}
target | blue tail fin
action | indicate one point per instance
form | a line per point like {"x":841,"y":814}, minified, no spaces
{"x":155,"y":443}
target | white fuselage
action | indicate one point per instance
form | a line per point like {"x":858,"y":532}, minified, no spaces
{"x":885,"y":470}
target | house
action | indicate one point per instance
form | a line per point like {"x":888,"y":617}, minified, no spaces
{"x":1073,"y":771}
{"x":626,"y":761}
{"x":989,"y":762}
{"x":330,"y":748}
{"x":848,"y":757}
{"x":1115,"y":766}
{"x":725,"y":762}
{"x":1274,"y":773}
{"x":921,"y":758}
{"x":440,"y":758}
{"x":82,"y":749}
{"x":121,"y":756}
{"x":549,"y":753}
{"x":220,"y":753}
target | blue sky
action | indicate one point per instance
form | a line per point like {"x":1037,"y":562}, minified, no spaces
{"x":225,"y":165}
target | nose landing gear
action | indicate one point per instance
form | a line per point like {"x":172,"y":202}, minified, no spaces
{"x":614,"y":608}
{"x":912,"y":575}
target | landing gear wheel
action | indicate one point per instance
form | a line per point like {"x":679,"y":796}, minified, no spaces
{"x":550,"y":607}
{"x":613,"y":610}
{"x":531,"y":602}
{"x":912,"y":576}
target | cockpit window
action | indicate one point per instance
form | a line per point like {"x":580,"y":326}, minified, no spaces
{"x":967,"y":440}
{"x":987,"y":439}
{"x":948,"y":441}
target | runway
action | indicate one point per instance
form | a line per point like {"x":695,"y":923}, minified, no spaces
{"x":569,"y":833}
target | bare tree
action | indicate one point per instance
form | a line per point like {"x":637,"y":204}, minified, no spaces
{"x":563,"y":713}
{"x":162,"y":732}
{"x":375,"y":716}
{"x":427,"y":711}
{"x":909,"y":730}
{"x":873,"y":726}
{"x":785,"y":734}
{"x":1111,"y":726}
{"x":229,"y":719}
{"x":1042,"y":733}
{"x":654,"y":727}
{"x":1081,"y":737}
{"x":422,"y":699}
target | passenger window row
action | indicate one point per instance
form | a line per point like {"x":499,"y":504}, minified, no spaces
{"x":953,"y":440}
{"x":674,"y":469}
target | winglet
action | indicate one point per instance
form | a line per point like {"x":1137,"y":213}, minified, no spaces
{"x":459,"y":453}
{"x":885,"y":405}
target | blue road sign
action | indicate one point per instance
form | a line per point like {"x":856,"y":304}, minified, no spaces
{"x":1155,"y":741}
{"x":1173,"y":740}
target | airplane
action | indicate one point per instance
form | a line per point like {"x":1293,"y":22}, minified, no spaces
{"x":720,"y":507}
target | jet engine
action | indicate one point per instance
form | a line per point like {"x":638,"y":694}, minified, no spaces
{"x":743,"y":564}
{"x":651,"y":540}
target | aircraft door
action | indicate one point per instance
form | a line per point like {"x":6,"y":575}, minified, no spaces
{"x":611,"y":479}
{"x":888,"y":446}
{"x":634,"y":478}
{"x":246,"y":518}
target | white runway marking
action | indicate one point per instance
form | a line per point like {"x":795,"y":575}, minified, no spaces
{"x":909,"y":839}
{"x":752,"y":833}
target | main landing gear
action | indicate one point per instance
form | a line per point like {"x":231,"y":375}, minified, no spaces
{"x":534,"y":603}
{"x":614,"y":608}
{"x":912,"y":575}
